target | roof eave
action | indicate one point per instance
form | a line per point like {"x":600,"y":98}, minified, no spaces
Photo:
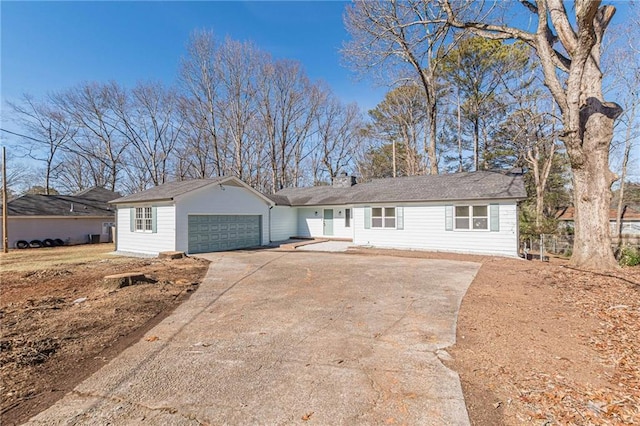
{"x":453,"y":200}
{"x":154,"y":200}
{"x":53,"y":216}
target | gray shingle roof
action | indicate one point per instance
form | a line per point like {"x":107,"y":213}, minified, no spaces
{"x":94,"y":203}
{"x":446,"y":187}
{"x":98,"y":194}
{"x":280,"y":200}
{"x":167,"y":191}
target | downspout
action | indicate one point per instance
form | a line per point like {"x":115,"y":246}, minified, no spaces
{"x":269,"y":224}
{"x":115,"y":234}
{"x":518,"y":229}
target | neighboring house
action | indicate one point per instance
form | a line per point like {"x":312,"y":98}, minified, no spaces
{"x":463,"y":212}
{"x":630,"y":219}
{"x":71,"y":218}
{"x":193,"y":216}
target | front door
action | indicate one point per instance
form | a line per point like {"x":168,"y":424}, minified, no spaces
{"x":328,"y":222}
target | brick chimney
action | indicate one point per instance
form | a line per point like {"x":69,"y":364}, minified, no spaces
{"x":343,"y":180}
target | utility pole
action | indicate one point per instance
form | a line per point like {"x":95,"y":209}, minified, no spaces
{"x":5,"y":237}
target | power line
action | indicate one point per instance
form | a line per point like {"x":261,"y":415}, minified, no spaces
{"x":21,"y":135}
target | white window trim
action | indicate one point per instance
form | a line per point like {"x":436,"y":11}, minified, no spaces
{"x":383,"y":217}
{"x":471,"y":217}
{"x":144,"y":220}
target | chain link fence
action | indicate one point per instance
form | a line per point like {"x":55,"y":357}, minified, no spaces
{"x":540,"y":247}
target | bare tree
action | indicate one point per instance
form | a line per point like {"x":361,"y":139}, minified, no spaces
{"x":238,"y":68}
{"x":569,"y":49}
{"x":19,"y":175}
{"x":151,"y":125}
{"x":195,"y":157}
{"x":287,"y":106}
{"x":99,"y":138}
{"x":199,"y":77}
{"x":81,"y":172}
{"x":531,"y":133}
{"x":339,"y":134}
{"x":401,"y":35}
{"x":50,"y":131}
{"x":625,"y":68}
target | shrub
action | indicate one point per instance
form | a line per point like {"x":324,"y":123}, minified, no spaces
{"x":629,"y":256}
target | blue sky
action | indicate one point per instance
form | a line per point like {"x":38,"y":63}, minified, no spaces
{"x":50,"y":46}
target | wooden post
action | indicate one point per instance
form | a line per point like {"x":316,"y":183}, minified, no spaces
{"x":5,"y":237}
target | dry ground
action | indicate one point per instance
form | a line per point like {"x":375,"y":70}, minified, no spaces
{"x":50,"y":340}
{"x":543,"y":344}
{"x":538,"y":343}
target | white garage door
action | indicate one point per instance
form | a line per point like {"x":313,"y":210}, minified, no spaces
{"x":223,"y":232}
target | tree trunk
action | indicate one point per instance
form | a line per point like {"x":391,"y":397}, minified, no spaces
{"x":476,"y":143}
{"x":393,"y":159}
{"x":433,"y":130}
{"x":586,"y":118}
{"x":460,"y":163}
{"x":623,"y":177}
{"x":592,"y":181}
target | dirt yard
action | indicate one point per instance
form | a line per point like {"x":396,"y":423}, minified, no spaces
{"x":538,"y":343}
{"x":543,"y":344}
{"x":60,"y":323}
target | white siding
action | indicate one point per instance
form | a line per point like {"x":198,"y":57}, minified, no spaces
{"x":147,"y":242}
{"x":424,"y":229}
{"x":72,"y":230}
{"x":284,"y":222}
{"x":215,"y":199}
{"x":629,"y":227}
{"x":310,"y":222}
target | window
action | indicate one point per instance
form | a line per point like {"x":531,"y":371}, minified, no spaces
{"x":347,"y":218}
{"x":472,"y":217}
{"x":144,"y":219}
{"x":383,"y":217}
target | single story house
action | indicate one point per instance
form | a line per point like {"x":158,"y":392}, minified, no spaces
{"x":70,"y":218}
{"x":630,"y":219}
{"x":463,"y":212}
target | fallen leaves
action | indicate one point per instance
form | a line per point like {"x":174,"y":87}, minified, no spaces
{"x":550,"y":345}
{"x":307,"y":416}
{"x":563,"y":401}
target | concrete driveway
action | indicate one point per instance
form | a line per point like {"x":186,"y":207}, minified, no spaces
{"x":291,"y":338}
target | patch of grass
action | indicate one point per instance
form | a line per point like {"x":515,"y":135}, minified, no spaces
{"x":55,"y":257}
{"x":629,"y":256}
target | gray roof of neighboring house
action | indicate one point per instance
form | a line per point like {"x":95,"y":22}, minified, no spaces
{"x":446,"y":187}
{"x":92,"y":203}
{"x":167,"y":191}
{"x":98,"y":194}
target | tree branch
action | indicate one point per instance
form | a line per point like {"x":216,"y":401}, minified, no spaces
{"x":496,"y":32}
{"x":561,"y":23}
{"x":532,"y":7}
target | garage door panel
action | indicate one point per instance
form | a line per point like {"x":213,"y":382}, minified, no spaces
{"x":222,"y":232}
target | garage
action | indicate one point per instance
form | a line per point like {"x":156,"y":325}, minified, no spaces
{"x":209,"y":233}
